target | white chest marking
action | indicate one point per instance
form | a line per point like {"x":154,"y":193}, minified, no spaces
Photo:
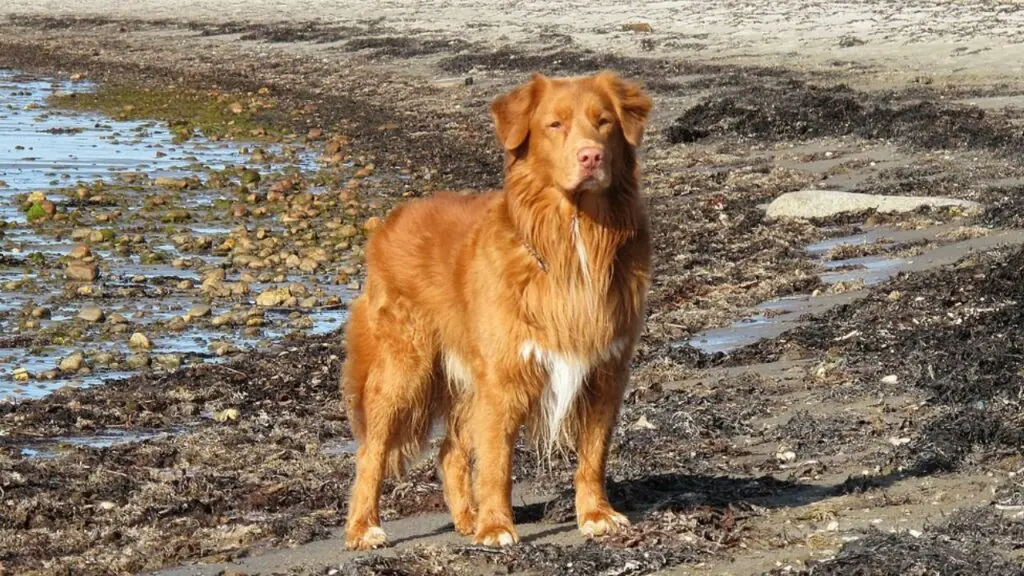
{"x":566,"y":376}
{"x":458,"y":373}
{"x":581,"y":249}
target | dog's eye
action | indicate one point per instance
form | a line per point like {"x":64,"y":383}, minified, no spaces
{"x":556,"y":125}
{"x":602,"y":122}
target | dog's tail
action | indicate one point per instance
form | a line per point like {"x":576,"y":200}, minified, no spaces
{"x":356,"y":370}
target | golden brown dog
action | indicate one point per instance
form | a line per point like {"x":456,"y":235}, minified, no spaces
{"x":519,"y":306}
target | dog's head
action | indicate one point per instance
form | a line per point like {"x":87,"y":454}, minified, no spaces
{"x":580,"y":133}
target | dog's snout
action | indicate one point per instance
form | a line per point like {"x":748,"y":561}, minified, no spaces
{"x":590,"y":158}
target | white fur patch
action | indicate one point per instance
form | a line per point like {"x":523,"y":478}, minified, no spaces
{"x":581,"y":249}
{"x":566,"y":373}
{"x":458,"y":373}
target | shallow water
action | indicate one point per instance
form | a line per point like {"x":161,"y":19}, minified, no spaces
{"x":776,"y":316}
{"x":46,"y":149}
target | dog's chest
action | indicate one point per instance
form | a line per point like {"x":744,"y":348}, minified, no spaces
{"x":565,"y":377}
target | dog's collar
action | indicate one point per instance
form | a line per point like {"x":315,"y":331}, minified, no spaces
{"x":536,"y":256}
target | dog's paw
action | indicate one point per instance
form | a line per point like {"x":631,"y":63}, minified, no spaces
{"x":497,"y":535}
{"x":366,"y":539}
{"x":602,"y":523}
{"x":464,"y":523}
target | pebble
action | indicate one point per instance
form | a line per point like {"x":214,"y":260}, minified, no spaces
{"x":199,"y":311}
{"x":168,"y":361}
{"x":91,"y":313}
{"x":140,"y":340}
{"x":80,"y":252}
{"x":138,"y":360}
{"x":72,"y":363}
{"x":81,"y":272}
{"x":890,"y":379}
{"x":273,"y":297}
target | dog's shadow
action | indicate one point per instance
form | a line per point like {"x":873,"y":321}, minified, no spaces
{"x":639,"y":498}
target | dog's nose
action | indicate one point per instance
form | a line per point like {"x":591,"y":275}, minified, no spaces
{"x":590,"y":158}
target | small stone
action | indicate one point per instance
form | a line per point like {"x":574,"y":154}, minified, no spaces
{"x":91,"y":313}
{"x":138,"y":360}
{"x":315,"y":134}
{"x":199,"y":311}
{"x":890,"y":379}
{"x":309,"y":302}
{"x":140,"y":340}
{"x":894,"y":296}
{"x":177,"y":324}
{"x":168,"y":362}
{"x":172,"y":183}
{"x":80,"y":252}
{"x":348,"y":231}
{"x":184,"y":285}
{"x":81,"y":272}
{"x":372,"y":223}
{"x":221,"y":348}
{"x":117,"y":319}
{"x":222,"y":320}
{"x":21,"y":375}
{"x":787,"y":456}
{"x":72,"y":363}
{"x":40,"y":312}
{"x":308,"y":265}
{"x":273,"y":297}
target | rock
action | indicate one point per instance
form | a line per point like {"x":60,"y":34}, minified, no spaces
{"x":249,"y":177}
{"x":80,"y":252}
{"x":176,"y":216}
{"x":308,"y":265}
{"x":315,"y":134}
{"x":91,"y":313}
{"x":168,"y":362}
{"x":138,"y":360}
{"x":117,"y":319}
{"x":372,"y":223}
{"x":172,"y":183}
{"x":222,"y":320}
{"x":787,"y":456}
{"x":221,"y":348}
{"x":643,"y":27}
{"x":21,"y":375}
{"x":79,"y":234}
{"x":81,"y":272}
{"x":215,"y":276}
{"x":198,"y":311}
{"x":40,"y":312}
{"x":348,"y":231}
{"x":98,"y":236}
{"x":140,"y":340}
{"x":272,"y":297}
{"x":72,"y":363}
{"x":829,"y":203}
{"x":890,"y":379}
{"x":309,"y":302}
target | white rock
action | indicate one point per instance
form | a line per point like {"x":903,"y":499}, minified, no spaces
{"x":828,"y":203}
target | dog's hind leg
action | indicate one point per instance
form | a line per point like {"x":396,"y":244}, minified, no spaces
{"x":454,"y":458}
{"x":391,"y":411}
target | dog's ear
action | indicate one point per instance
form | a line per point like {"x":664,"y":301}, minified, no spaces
{"x":512,"y":112}
{"x":632,"y":105}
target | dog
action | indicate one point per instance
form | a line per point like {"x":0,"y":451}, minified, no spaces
{"x":522,"y":306}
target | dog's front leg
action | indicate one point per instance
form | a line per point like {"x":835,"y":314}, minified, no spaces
{"x":594,"y":514}
{"x":497,"y":414}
